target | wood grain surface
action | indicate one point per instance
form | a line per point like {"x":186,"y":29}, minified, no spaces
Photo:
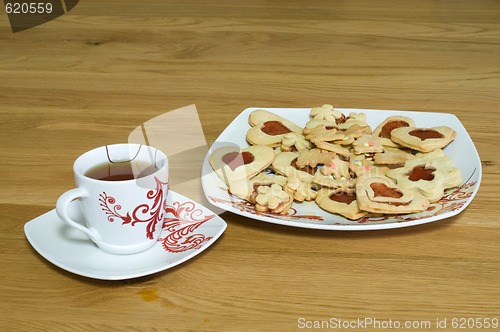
{"x":91,"y":76}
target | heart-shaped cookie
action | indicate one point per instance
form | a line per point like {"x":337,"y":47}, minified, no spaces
{"x":341,"y":201}
{"x":383,"y":130}
{"x":232,"y":163}
{"x":381,"y":195}
{"x":423,"y":139}
{"x":269,"y":128}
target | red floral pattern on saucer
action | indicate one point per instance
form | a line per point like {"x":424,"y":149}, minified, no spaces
{"x":180,"y":227}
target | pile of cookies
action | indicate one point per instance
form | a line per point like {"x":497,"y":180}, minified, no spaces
{"x":339,"y":162}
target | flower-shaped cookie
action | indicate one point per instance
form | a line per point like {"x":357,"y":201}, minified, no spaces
{"x":272,"y":199}
{"x":246,"y":189}
{"x":328,"y":113}
{"x":295,"y":142}
{"x":430,"y":177}
{"x":300,"y":190}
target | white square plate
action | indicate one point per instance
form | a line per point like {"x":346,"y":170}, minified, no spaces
{"x":309,"y":215}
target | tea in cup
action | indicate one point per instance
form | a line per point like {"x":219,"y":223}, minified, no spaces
{"x":122,"y":191}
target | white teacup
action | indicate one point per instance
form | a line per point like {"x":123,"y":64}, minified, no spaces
{"x":122,"y":190}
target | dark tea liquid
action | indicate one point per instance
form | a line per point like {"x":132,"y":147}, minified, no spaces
{"x":121,"y":171}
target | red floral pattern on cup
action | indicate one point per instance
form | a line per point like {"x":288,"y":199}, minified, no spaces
{"x":151,"y":213}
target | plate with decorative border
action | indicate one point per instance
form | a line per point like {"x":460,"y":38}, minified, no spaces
{"x":309,"y":215}
{"x":188,"y":229}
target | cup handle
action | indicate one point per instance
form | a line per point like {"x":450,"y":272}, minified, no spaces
{"x":62,"y":210}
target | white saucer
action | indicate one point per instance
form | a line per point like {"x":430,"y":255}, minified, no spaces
{"x":189,"y":228}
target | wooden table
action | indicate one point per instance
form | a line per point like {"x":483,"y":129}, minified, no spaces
{"x":88,"y":78}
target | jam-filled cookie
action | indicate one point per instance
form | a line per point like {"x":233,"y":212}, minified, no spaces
{"x":383,"y":130}
{"x":381,"y":195}
{"x":269,"y":128}
{"x":423,"y":139}
{"x":430,"y":177}
{"x":341,"y":201}
{"x":232,"y":163}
